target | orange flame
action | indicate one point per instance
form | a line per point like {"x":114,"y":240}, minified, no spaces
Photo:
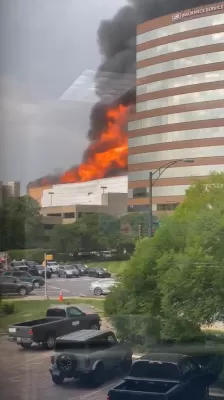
{"x":108,"y":152}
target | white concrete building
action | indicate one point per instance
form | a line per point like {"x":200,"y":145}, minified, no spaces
{"x":83,"y":193}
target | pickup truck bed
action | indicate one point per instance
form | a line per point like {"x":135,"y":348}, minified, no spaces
{"x":35,"y":322}
{"x":59,"y":321}
{"x":163,"y":377}
{"x":142,"y":388}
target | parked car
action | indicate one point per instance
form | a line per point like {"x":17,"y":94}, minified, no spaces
{"x":24,"y":276}
{"x":83,"y":269}
{"x":59,"y":320}
{"x":102,"y":287}
{"x":99,"y":272}
{"x":68,"y":271}
{"x":12,"y":285}
{"x":41,"y":271}
{"x":53,"y":265}
{"x":19,"y":265}
{"x":163,"y":376}
{"x":89,"y":355}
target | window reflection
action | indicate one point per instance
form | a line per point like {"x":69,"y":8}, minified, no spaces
{"x":140,"y":192}
{"x":176,"y":154}
{"x":200,"y":59}
{"x":186,"y":98}
{"x":176,"y":136}
{"x":213,"y":76}
{"x":181,"y":27}
{"x":184,"y":44}
{"x":188,"y":116}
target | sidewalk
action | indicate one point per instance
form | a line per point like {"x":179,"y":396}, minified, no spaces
{"x":27,"y":298}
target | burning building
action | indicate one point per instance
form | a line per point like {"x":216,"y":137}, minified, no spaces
{"x":107,"y":153}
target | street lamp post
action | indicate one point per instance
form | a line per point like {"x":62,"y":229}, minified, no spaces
{"x":51,"y":194}
{"x":160,"y":171}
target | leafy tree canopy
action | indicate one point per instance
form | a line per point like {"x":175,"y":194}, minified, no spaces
{"x":173,"y":283}
{"x":20,"y":224}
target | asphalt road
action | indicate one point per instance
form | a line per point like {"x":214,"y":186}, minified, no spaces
{"x":70,"y":287}
{"x":24,"y":375}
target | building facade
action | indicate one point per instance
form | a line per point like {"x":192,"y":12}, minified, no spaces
{"x":114,"y":204}
{"x":9,"y":190}
{"x":89,"y":193}
{"x":180,"y":105}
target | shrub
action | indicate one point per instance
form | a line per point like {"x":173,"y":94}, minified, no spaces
{"x":30,"y":254}
{"x":7,"y":308}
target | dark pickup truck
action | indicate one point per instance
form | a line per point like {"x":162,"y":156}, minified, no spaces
{"x":60,"y":320}
{"x":163,"y":377}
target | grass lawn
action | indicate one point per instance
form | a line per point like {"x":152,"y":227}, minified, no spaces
{"x":115,"y":267}
{"x":27,"y":310}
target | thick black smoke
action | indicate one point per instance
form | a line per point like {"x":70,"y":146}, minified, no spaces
{"x":117,"y":43}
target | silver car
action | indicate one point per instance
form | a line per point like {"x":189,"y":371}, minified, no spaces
{"x":68,"y":271}
{"x":99,"y":288}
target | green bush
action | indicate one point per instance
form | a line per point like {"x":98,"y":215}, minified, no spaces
{"x":7,"y":308}
{"x":30,"y":254}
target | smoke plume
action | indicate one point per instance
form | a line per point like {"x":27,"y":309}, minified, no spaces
{"x":117,"y":43}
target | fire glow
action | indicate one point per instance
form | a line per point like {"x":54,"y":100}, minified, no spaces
{"x":109,"y":152}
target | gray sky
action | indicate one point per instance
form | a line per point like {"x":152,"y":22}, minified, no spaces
{"x":45,"y":45}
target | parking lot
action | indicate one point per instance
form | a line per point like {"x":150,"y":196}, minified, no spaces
{"x":70,"y":287}
{"x":25,"y":376}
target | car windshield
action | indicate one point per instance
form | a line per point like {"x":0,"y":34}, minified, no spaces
{"x":69,"y":267}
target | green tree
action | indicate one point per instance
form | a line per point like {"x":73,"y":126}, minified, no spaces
{"x":173,"y":283}
{"x":20,"y":224}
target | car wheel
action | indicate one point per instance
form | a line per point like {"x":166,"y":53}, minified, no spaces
{"x":58,"y":379}
{"x":98,"y":375}
{"x":49,"y":343}
{"x":23,"y":291}
{"x":98,"y":291}
{"x":36,"y":284}
{"x":94,"y":326}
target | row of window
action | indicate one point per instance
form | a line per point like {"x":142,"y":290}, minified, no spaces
{"x":176,"y":136}
{"x":187,"y":98}
{"x":186,"y":80}
{"x":182,"y":26}
{"x":189,"y":116}
{"x":184,"y":44}
{"x":186,"y":62}
{"x":179,"y":172}
{"x":64,"y":215}
{"x":177,"y":154}
{"x":164,"y":191}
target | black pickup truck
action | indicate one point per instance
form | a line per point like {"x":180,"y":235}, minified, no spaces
{"x":163,"y":377}
{"x":60,"y":320}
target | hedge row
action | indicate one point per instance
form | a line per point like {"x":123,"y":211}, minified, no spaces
{"x":29,"y":254}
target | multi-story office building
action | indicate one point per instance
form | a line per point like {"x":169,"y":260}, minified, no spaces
{"x":9,"y":190}
{"x":180,"y":104}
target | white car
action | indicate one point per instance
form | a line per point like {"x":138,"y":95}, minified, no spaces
{"x":99,"y":288}
{"x":53,"y":266}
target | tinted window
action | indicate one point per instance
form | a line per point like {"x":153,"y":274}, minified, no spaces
{"x":56,"y":312}
{"x":146,"y":369}
{"x":69,"y":267}
{"x":74,"y":312}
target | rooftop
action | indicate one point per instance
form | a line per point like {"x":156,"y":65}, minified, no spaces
{"x":81,"y":336}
